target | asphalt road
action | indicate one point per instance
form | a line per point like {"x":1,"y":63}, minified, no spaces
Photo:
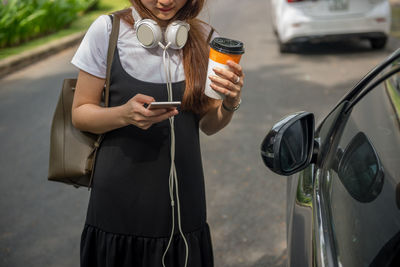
{"x":41,"y":221}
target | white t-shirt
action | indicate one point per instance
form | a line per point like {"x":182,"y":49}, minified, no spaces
{"x":141,"y":63}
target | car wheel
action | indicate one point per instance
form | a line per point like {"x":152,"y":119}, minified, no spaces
{"x":378,"y":43}
{"x":285,"y":48}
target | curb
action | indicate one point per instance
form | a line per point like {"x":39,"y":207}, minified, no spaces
{"x":17,"y":62}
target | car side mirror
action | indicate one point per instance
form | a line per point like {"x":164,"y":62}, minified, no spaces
{"x":288,"y":146}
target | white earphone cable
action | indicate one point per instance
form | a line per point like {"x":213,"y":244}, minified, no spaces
{"x":173,"y":177}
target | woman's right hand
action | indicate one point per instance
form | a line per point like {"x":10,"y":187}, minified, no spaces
{"x":136,"y":114}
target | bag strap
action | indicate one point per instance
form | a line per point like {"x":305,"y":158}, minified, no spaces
{"x":210,"y":34}
{"x":110,"y":55}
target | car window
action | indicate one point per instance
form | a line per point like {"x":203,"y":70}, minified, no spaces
{"x":364,"y":173}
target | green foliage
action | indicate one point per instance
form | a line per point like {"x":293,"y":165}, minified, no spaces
{"x":395,"y":29}
{"x":22,"y":20}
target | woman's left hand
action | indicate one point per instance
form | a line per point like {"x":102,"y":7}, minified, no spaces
{"x":228,"y":82}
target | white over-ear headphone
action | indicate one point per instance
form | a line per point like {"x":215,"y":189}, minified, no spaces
{"x":150,"y":34}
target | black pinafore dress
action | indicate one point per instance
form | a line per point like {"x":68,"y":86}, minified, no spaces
{"x":129,"y":215}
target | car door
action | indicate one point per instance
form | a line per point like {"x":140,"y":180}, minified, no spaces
{"x":309,"y":235}
{"x":343,"y":205}
{"x":361,"y":179}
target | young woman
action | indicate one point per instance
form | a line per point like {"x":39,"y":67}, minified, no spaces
{"x":130,"y":221}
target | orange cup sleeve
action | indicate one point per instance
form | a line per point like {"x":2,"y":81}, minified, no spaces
{"x":223,"y":58}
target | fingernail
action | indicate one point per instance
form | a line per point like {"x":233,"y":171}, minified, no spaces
{"x":217,"y":69}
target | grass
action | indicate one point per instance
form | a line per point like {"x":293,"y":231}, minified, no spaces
{"x":81,"y":24}
{"x":395,"y":30}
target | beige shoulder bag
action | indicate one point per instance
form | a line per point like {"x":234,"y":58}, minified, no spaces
{"x":73,"y":152}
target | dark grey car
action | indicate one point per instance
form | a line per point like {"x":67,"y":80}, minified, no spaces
{"x":343,"y":189}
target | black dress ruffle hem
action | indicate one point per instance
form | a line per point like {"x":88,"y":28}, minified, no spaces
{"x":102,"y":249}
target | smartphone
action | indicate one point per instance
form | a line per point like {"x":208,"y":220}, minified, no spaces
{"x":155,"y":105}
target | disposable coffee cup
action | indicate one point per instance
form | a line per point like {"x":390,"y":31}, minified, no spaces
{"x":222,"y":50}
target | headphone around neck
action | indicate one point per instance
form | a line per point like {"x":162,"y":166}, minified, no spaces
{"x":150,"y":35}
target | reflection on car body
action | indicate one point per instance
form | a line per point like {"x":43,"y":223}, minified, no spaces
{"x":343,"y":190}
{"x":359,"y":169}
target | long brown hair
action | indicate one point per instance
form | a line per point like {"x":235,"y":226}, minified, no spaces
{"x":195,"y":52}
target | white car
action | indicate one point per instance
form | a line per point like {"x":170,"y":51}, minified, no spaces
{"x":299,"y":21}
